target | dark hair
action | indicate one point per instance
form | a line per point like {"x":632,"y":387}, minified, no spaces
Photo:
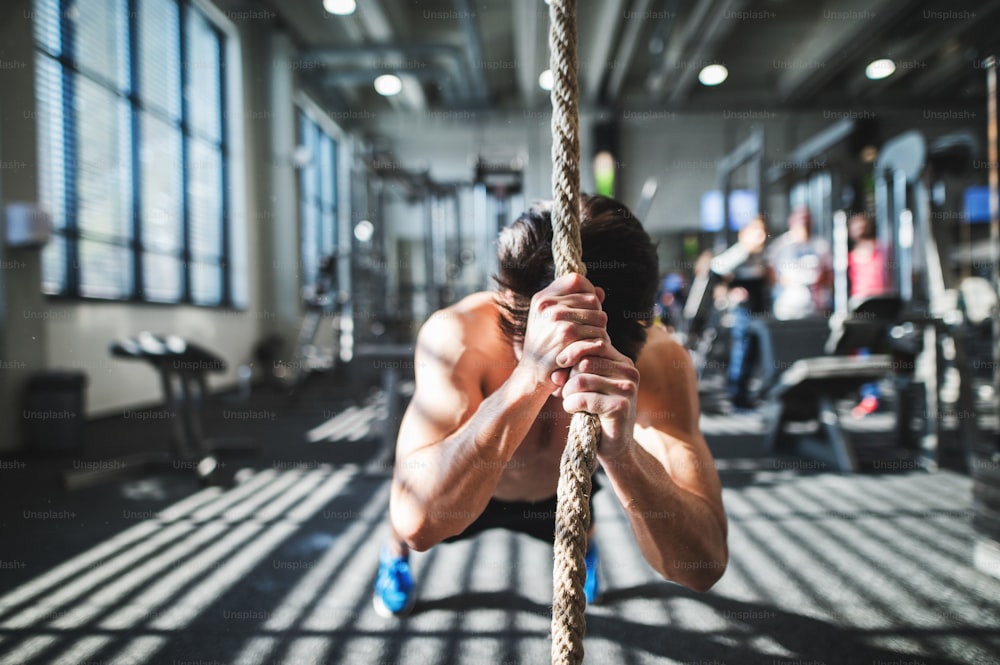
{"x":619,"y":255}
{"x":868,"y":232}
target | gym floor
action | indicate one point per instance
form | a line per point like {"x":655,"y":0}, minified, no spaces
{"x":874,"y":568}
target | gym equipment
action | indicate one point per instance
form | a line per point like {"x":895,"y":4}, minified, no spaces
{"x":580,"y":455}
{"x":383,"y":298}
{"x":986,"y":463}
{"x":646,"y":198}
{"x":750,"y":153}
{"x":496,"y":195}
{"x":905,"y":209}
{"x":183,"y":368}
{"x":812,"y":178}
{"x":322,"y":302}
{"x":697,"y":329}
{"x":807,"y":391}
{"x":899,"y":164}
{"x":800,"y":384}
{"x":442,"y":242}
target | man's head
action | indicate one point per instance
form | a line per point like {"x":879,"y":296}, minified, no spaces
{"x":619,"y":256}
{"x":800,"y":223}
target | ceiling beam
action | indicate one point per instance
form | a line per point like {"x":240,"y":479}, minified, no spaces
{"x":447,"y":55}
{"x":660,"y":80}
{"x":604,"y":28}
{"x":525,"y":31}
{"x":832,"y":43}
{"x":473,"y":49}
{"x":912,"y":58}
{"x":626,"y":50}
{"x":717,"y":29}
{"x":377,"y":26}
{"x":352,"y":77}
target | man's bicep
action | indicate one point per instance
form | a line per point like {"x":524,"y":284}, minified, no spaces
{"x":668,"y":420}
{"x":446,"y":393}
{"x":668,"y":389}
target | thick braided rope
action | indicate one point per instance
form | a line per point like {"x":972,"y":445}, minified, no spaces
{"x":579,"y":458}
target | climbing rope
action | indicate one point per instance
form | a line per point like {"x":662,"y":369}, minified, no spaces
{"x":580,"y":456}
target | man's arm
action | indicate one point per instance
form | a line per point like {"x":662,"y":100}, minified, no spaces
{"x":726,"y":263}
{"x":453,"y":443}
{"x":656,"y":458}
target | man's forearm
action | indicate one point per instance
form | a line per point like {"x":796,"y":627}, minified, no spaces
{"x":679,"y":533}
{"x":440,"y":489}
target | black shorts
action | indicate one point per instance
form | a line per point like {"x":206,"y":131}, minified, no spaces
{"x":533,"y":518}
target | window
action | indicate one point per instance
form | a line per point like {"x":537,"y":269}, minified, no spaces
{"x":317,"y":196}
{"x":132,"y":152}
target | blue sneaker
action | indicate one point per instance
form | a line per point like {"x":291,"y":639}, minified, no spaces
{"x":394,"y":595}
{"x":591,"y":588}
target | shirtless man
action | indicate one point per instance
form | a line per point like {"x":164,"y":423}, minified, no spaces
{"x":498,"y":376}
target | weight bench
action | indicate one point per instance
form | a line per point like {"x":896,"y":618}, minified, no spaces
{"x":182,"y":367}
{"x":802,"y":379}
{"x":808,"y":391}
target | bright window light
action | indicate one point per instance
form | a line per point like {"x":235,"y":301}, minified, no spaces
{"x":388,"y":85}
{"x":545,"y":79}
{"x":340,"y":7}
{"x":713,"y":74}
{"x":880,"y":69}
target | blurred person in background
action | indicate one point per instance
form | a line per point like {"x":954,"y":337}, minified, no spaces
{"x":867,"y":276}
{"x":744,"y":267}
{"x":801,"y":270}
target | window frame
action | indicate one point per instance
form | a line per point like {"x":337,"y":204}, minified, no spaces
{"x":323,"y":130}
{"x":66,"y":61}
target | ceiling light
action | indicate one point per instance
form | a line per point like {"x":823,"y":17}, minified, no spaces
{"x":713,"y":75}
{"x":545,"y":79}
{"x":880,"y":69}
{"x":388,"y":85}
{"x":364,"y":230}
{"x":340,"y":7}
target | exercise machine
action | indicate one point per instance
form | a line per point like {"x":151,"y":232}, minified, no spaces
{"x":182,"y":367}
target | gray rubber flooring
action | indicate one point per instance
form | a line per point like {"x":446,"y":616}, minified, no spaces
{"x":825,"y":569}
{"x":871,"y":569}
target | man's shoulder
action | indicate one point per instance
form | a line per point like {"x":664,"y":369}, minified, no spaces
{"x":465,"y":325}
{"x":780,"y":242}
{"x":473,"y":310}
{"x":661,"y":351}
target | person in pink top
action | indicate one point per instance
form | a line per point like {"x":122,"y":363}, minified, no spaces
{"x":866,"y":272}
{"x":866,"y":262}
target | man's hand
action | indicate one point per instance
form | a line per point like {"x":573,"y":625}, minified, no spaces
{"x":752,"y":238}
{"x":604,"y":382}
{"x":565,"y":312}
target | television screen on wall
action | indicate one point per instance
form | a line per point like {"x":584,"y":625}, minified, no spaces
{"x":742,"y":208}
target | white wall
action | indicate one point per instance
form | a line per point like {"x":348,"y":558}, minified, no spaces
{"x":41,"y":333}
{"x":679,"y":150}
{"x":24,"y":327}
